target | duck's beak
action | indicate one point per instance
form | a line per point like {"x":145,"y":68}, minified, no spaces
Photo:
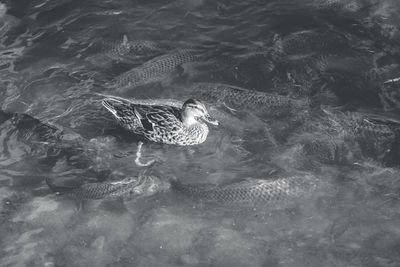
{"x":210,"y":120}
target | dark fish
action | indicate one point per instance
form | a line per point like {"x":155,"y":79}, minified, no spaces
{"x":252,"y":70}
{"x":363,"y":19}
{"x":390,"y":94}
{"x":299,"y":76}
{"x":4,"y":28}
{"x":7,"y":22}
{"x":355,"y":79}
{"x":154,"y":70}
{"x":309,"y":42}
{"x":250,"y":191}
{"x":273,"y":105}
{"x":362,"y":125}
{"x":9,"y":56}
{"x":342,"y":136}
{"x":346,"y":6}
{"x":127,"y":188}
{"x":28,"y":128}
{"x":329,"y":149}
{"x":4,"y":116}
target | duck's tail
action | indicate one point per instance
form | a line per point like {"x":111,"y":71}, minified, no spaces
{"x":119,"y":107}
{"x":4,"y":116}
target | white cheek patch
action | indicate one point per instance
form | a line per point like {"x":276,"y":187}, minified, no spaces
{"x":201,"y":109}
{"x":190,"y":121}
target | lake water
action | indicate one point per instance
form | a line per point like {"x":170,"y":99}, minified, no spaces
{"x":336,"y":61}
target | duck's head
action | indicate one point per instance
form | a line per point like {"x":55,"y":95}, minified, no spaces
{"x":193,"y":111}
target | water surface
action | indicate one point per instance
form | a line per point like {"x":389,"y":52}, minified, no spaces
{"x":339,"y":59}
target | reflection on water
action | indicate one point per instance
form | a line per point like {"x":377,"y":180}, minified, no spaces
{"x":304,"y":90}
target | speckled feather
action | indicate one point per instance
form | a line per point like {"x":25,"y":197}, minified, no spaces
{"x":157,"y":123}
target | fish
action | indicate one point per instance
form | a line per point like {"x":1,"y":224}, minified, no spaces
{"x":329,"y":149}
{"x":7,"y":21}
{"x":299,"y":77}
{"x":362,"y":125}
{"x":25,"y":136}
{"x":305,"y":43}
{"x":273,"y":105}
{"x":30,"y":129}
{"x":341,"y":6}
{"x":125,"y":49}
{"x":342,"y":137}
{"x":249,"y":191}
{"x":127,"y":189}
{"x":4,"y":116}
{"x":356,"y":79}
{"x":390,"y":94}
{"x":154,"y":70}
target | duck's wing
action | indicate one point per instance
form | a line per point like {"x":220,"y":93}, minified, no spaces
{"x":159,"y":118}
{"x":141,"y":117}
{"x":123,"y":110}
{"x":119,"y":107}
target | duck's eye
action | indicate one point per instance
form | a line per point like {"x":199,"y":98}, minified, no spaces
{"x":196,"y":108}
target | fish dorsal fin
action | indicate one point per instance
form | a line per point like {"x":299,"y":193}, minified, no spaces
{"x":245,"y":182}
{"x":125,"y":41}
{"x":128,"y":180}
{"x":368,"y":121}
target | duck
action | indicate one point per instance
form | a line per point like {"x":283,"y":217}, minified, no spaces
{"x":163,"y":121}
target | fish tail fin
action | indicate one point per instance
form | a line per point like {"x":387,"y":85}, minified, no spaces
{"x":63,"y":185}
{"x":173,"y":179}
{"x":125,"y":40}
{"x":324,"y":98}
{"x":4,"y":116}
{"x":55,"y":188}
{"x":174,"y":182}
